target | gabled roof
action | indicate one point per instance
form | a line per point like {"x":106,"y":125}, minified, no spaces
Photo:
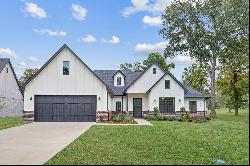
{"x":119,"y":71}
{"x":189,"y":92}
{"x":172,"y":77}
{"x":3,"y":62}
{"x":107,"y":77}
{"x":153,"y":63}
{"x":53,"y":57}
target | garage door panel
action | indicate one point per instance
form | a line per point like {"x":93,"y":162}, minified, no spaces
{"x":65,"y":108}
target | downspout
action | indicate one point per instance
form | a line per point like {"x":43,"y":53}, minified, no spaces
{"x":204,"y":107}
{"x":127,"y":103}
{"x":122,"y":104}
{"x":108,"y":104}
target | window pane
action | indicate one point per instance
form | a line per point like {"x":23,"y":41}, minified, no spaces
{"x":118,"y":106}
{"x":192,"y":106}
{"x":65,"y":67}
{"x":167,"y":84}
{"x":119,"y":81}
{"x":154,"y":70}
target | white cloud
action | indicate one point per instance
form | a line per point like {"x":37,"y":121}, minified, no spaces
{"x":152,"y":21}
{"x":50,"y":32}
{"x":89,"y":39}
{"x":181,"y":59}
{"x":33,"y":59}
{"x":20,"y":65}
{"x":145,"y":6}
{"x":35,"y":11}
{"x":148,"y":48}
{"x":114,"y":40}
{"x":7,"y":52}
{"x":78,"y":12}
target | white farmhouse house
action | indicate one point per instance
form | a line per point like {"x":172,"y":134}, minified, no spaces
{"x":11,"y":98}
{"x":66,"y":89}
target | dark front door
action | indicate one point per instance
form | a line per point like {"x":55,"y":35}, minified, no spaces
{"x":137,"y":107}
{"x":167,"y":104}
{"x":193,"y":106}
{"x":65,"y":108}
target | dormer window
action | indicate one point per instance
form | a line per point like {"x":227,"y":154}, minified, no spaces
{"x":154,"y":70}
{"x":119,"y":80}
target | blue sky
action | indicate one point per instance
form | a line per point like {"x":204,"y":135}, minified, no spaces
{"x":103,"y":33}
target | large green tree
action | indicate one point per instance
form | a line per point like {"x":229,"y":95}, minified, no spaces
{"x":197,"y":29}
{"x":197,"y":77}
{"x":26,"y":75}
{"x":152,"y":57}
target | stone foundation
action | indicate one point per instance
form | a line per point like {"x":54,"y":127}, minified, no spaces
{"x":10,"y":107}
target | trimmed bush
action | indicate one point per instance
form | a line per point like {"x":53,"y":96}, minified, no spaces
{"x":117,"y":118}
{"x":128,"y":118}
{"x":160,"y":117}
{"x":156,"y":110}
{"x":152,"y":117}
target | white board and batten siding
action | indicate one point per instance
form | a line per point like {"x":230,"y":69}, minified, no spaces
{"x":118,"y":99}
{"x":146,"y":80}
{"x":159,"y":90}
{"x":51,"y":81}
{"x":10,"y":95}
{"x":8,"y":85}
{"x":201,"y":104}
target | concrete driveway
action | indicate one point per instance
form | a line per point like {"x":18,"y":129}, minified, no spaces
{"x":37,"y":142}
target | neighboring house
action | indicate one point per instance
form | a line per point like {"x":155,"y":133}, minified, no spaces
{"x":66,"y":89}
{"x":11,"y":98}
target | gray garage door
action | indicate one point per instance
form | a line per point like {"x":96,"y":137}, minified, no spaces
{"x":75,"y":108}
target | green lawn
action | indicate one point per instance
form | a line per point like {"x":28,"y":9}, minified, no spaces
{"x":10,"y":122}
{"x":166,"y":142}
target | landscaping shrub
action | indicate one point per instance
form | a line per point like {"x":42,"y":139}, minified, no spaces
{"x":117,"y":118}
{"x":184,"y":114}
{"x":156,"y":110}
{"x":160,"y":117}
{"x":200,"y":119}
{"x":152,"y":117}
{"x":146,"y":116}
{"x":128,"y":118}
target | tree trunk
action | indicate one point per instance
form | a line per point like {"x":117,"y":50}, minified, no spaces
{"x":236,"y":110}
{"x":212,"y":75}
{"x":230,"y":107}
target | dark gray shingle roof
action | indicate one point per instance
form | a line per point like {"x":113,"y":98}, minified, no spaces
{"x":3,"y":62}
{"x":192,"y":93}
{"x":107,"y":77}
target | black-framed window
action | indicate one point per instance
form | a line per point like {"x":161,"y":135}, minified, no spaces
{"x":167,"y":84}
{"x":167,"y":104}
{"x":65,"y":67}
{"x":154,"y":70}
{"x":7,"y":70}
{"x":119,"y":80}
{"x":193,"y":106}
{"x":118,"y":106}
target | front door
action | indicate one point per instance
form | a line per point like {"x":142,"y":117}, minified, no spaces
{"x":137,"y":107}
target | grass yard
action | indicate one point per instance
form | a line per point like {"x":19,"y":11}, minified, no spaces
{"x":10,"y":122}
{"x":166,"y":142}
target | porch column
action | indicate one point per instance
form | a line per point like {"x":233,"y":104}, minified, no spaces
{"x":127,"y":103}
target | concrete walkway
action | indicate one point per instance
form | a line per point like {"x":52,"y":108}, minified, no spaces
{"x":37,"y":142}
{"x":143,"y":122}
